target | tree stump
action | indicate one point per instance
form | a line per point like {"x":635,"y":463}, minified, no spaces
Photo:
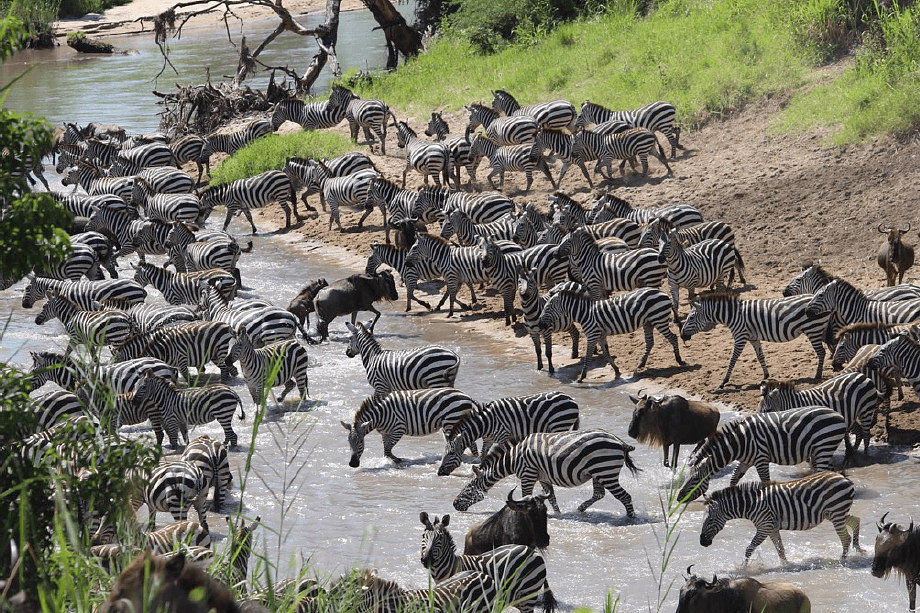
{"x":84,"y":44}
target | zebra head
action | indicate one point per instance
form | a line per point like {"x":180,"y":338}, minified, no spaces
{"x":697,"y":483}
{"x":775,"y":395}
{"x":373,"y":260}
{"x":359,"y":334}
{"x":714,"y":521}
{"x":437,"y":126}
{"x":849,"y":342}
{"x":698,"y":320}
{"x":557,"y":312}
{"x":356,"y":434}
{"x":474,"y":491}
{"x":438,"y":548}
{"x":404,"y":133}
{"x":452,"y":454}
{"x":43,"y":363}
{"x":34,"y":290}
{"x":809,"y":281}
{"x":50,"y":309}
{"x":887,"y":354}
{"x":824,"y":300}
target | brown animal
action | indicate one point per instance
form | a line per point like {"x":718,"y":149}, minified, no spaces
{"x":302,"y":304}
{"x":351,"y":295}
{"x":671,"y":420}
{"x":740,"y":596}
{"x":519,"y":522}
{"x":894,"y":256}
{"x":897,"y":549}
{"x":167,"y":583}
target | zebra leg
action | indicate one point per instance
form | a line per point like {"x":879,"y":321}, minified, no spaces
{"x":494,"y":172}
{"x":529,"y":175}
{"x":200,"y":503}
{"x":659,"y":155}
{"x":672,"y":338}
{"x":584,"y":171}
{"x":599,"y":491}
{"x":739,"y":471}
{"x":675,"y":300}
{"x":287,"y":217}
{"x":535,"y":337}
{"x":609,"y":357}
{"x":252,"y":223}
{"x":649,"y":343}
{"x":818,"y":344}
{"x":227,"y":218}
{"x":545,"y":168}
{"x":736,"y":352}
{"x":367,"y":211}
{"x":334,"y":215}
{"x":763,"y":362}
{"x":573,"y":332}
{"x":389,"y":441}
{"x":288,"y":386}
{"x":548,"y":348}
{"x":778,"y":543}
{"x":622,"y":495}
{"x":229,"y":435}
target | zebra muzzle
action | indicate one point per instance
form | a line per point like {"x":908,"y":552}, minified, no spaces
{"x":354,"y":462}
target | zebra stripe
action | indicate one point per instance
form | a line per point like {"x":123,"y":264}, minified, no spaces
{"x":853,"y":395}
{"x":184,"y":346}
{"x":566,"y":459}
{"x":519,"y":570}
{"x":646,"y":307}
{"x":90,"y":177}
{"x":468,"y":232}
{"x":532,"y":306}
{"x":81,"y":260}
{"x":507,"y":421}
{"x":609,"y":206}
{"x":150,"y":238}
{"x":884,"y":378}
{"x":555,"y":115}
{"x":602,"y":272}
{"x":658,"y":229}
{"x":187,"y":253}
{"x":82,"y":205}
{"x":51,"y":408}
{"x":185,"y":287}
{"x":172,"y":536}
{"x":122,"y":225}
{"x":853,"y":306}
{"x":175,"y":207}
{"x":242,"y":195}
{"x":231,"y":142}
{"x":211,"y":458}
{"x":389,"y":370}
{"x":567,"y":148}
{"x":123,"y":410}
{"x":785,"y":437}
{"x":279,"y":363}
{"x":753,"y":321}
{"x":84,"y":327}
{"x":656,"y":116}
{"x":151,"y":181}
{"x":523,"y":158}
{"x":516,"y":130}
{"x":263,"y":324}
{"x":458,"y":146}
{"x":426,"y":158}
{"x":466,"y":592}
{"x":591,"y":143}
{"x":796,"y":505}
{"x":855,"y":336}
{"x":416,"y":412}
{"x":703,"y":264}
{"x":434,"y":203}
{"x":172,"y":488}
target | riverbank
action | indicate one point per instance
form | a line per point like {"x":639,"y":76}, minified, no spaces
{"x":789,"y":198}
{"x":137,"y":17}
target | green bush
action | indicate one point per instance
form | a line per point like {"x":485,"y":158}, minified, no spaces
{"x":78,"y":8}
{"x":271,"y":152}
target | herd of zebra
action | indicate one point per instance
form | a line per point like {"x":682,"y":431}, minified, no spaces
{"x":599,"y":266}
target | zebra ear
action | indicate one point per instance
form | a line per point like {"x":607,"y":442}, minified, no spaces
{"x":351,"y":328}
{"x":369,"y":325}
{"x":423,"y":517}
{"x":446,"y":520}
{"x":345,"y":425}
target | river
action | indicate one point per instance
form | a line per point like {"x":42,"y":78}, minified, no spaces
{"x":317,"y":511}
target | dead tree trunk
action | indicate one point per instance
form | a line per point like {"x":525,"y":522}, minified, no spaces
{"x":327,"y":35}
{"x":400,"y":37}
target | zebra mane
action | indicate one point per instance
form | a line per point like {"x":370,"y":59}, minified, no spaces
{"x":866,"y":325}
{"x":819,"y":271}
{"x":366,"y":405}
{"x":387,"y":182}
{"x":454,"y":432}
{"x":605,"y":198}
{"x":770,"y":384}
{"x":703,"y":453}
{"x":569,"y":292}
{"x":848,"y":288}
{"x":740,"y":490}
{"x":717,"y":295}
{"x":909,"y":337}
{"x":434,"y":238}
{"x":496,"y":452}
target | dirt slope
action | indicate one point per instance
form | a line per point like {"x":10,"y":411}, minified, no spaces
{"x":789,"y":198}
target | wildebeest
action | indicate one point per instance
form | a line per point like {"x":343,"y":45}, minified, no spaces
{"x":894,"y":256}
{"x":351,"y":295}
{"x":740,"y":596}
{"x":671,"y":420}
{"x":897,"y":549}
{"x":302,"y":304}
{"x":519,"y":522}
{"x":154,"y":583}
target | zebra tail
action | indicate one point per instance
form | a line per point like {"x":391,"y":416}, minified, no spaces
{"x":739,"y":261}
{"x":393,"y":116}
{"x":242,"y":412}
{"x":248,"y":248}
{"x":549,"y":600}
{"x":629,"y":462}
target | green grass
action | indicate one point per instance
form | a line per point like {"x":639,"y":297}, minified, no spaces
{"x":270,"y":153}
{"x":707,"y":58}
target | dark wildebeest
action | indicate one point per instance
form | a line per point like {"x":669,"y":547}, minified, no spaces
{"x":519,"y":522}
{"x":351,"y":295}
{"x":897,"y":549}
{"x":740,"y":596}
{"x":671,"y":420}
{"x":302,"y":304}
{"x":894,"y":256}
{"x":165,"y":583}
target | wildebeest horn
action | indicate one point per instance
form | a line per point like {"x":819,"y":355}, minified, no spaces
{"x":639,"y":393}
{"x":911,"y":526}
{"x":883,"y":231}
{"x":907,"y":230}
{"x":510,"y":497}
{"x":881,"y":522}
{"x":689,"y":574}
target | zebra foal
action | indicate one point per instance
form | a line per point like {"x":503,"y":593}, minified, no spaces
{"x":426,"y":158}
{"x":702,"y":264}
{"x":523,"y":158}
{"x":279,"y":363}
{"x":795,"y":505}
{"x":401,"y":413}
{"x":171,"y":488}
{"x":243,"y":195}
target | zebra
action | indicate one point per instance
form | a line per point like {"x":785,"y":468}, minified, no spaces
{"x":591,"y":143}
{"x":90,"y":177}
{"x":468,"y":232}
{"x":568,"y":148}
{"x":704,"y":263}
{"x":775,"y":320}
{"x":644,"y":307}
{"x":555,"y":115}
{"x":183,"y":346}
{"x":532,"y":304}
{"x":279,"y":363}
{"x":263,"y":324}
{"x":242,"y":195}
{"x":210,"y":457}
{"x":187,"y":253}
{"x":609,"y":206}
{"x":787,"y":437}
{"x":853,"y":395}
{"x":122,"y":226}
{"x":118,"y":292}
{"x":519,"y":570}
{"x":458,"y":146}
{"x":134,"y":160}
{"x":466,"y":592}
{"x":312,"y":115}
{"x":852,"y":306}
{"x":903,"y":353}
{"x":368,"y":115}
{"x":434,"y":203}
{"x":524,"y":158}
{"x":516,"y":130}
{"x":631,"y":145}
{"x":350,"y":190}
{"x":81,"y":260}
{"x":101,"y":246}
{"x":414,"y":412}
{"x":602,"y":273}
{"x":150,"y":238}
{"x":426,"y":158}
{"x":82,"y":205}
{"x":231,"y":142}
{"x":855,"y":336}
{"x":567,"y":459}
{"x":411,"y":272}
{"x":49,"y":409}
{"x":174,"y":207}
{"x":92,"y":328}
{"x":189,"y":149}
{"x":502,"y":271}
{"x":814,"y":277}
{"x":166,"y":539}
{"x":123,"y":410}
{"x":389,"y":370}
{"x":659,"y":227}
{"x":507,"y":421}
{"x":159,"y":180}
{"x":185,"y":287}
{"x":457,"y":265}
{"x":70,"y":375}
{"x":395,"y":204}
{"x":191,"y":406}
{"x":655,"y":117}
{"x":625,"y":229}
{"x":172,"y":488}
{"x":795,"y":505}
{"x":303,"y":171}
{"x":885,"y":379}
